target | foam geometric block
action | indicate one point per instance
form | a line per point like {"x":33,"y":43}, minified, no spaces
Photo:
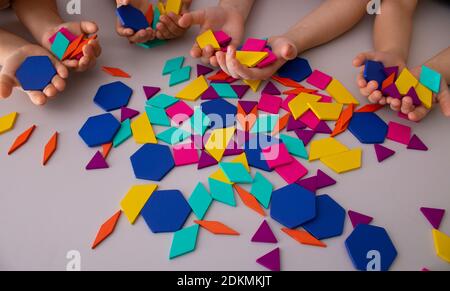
{"x":374,"y":71}
{"x":162,"y":101}
{"x":123,"y":134}
{"x":224,"y":90}
{"x":295,"y":146}
{"x":265,"y":123}
{"x":271,"y":260}
{"x":131,"y":17}
{"x":405,"y":81}
{"x":262,"y":189}
{"x":340,"y":93}
{"x":269,"y":103}
{"x":184,"y":240}
{"x":194,"y":89}
{"x":157,"y":116}
{"x":149,"y":155}
{"x":399,"y":133}
{"x":142,"y":130}
{"x":236,"y":172}
{"x":433,"y":215}
{"x":7,"y":122}
{"x":325,"y":147}
{"x":292,"y":172}
{"x":358,"y":218}
{"x":180,"y":76}
{"x":207,"y":38}
{"x":127,"y":113}
{"x":319,"y":80}
{"x":173,"y":135}
{"x":179,"y":112}
{"x":368,"y":128}
{"x":297,"y":69}
{"x":326,"y":111}
{"x":442,"y":245}
{"x":135,"y":199}
{"x":220,"y":112}
{"x":99,"y":130}
{"x":185,"y":154}
{"x":150,"y":91}
{"x":250,"y":59}
{"x":430,"y":79}
{"x":35,"y":73}
{"x":344,"y":162}
{"x":173,"y":65}
{"x":200,"y":201}
{"x":425,"y":95}
{"x":264,"y":234}
{"x":222,"y":38}
{"x":59,"y":46}
{"x":222,"y":192}
{"x":113,"y":96}
{"x":299,"y":105}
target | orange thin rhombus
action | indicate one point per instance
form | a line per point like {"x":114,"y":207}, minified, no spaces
{"x":216,"y":227}
{"x":72,"y":47}
{"x":106,"y":229}
{"x":370,"y":108}
{"x":287,"y":82}
{"x":50,"y":148}
{"x":303,"y":237}
{"x":21,"y":139}
{"x":249,"y":200}
{"x":115,"y":72}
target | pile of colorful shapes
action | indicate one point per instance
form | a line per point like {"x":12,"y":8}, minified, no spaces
{"x":67,"y":46}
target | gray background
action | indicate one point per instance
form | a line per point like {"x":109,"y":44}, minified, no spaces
{"x":45,"y":212}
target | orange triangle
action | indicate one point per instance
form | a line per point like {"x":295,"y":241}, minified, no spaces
{"x":72,"y":47}
{"x":219,"y":76}
{"x":303,"y":237}
{"x":50,"y":148}
{"x":21,"y":139}
{"x":115,"y":72}
{"x":216,"y":227}
{"x":388,"y":81}
{"x":370,"y":108}
{"x":249,"y":200}
{"x":287,"y":82}
{"x":106,"y":148}
{"x":281,"y":124}
{"x":297,"y":91}
{"x":106,"y":229}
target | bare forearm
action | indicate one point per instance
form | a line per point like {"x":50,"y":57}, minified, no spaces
{"x":328,"y":21}
{"x":393,"y":27}
{"x":242,"y":6}
{"x":441,"y":63}
{"x":8,"y":44}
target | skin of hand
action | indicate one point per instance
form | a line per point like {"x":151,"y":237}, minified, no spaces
{"x":11,"y":63}
{"x":142,"y":35}
{"x":168,"y":28}
{"x":91,"y":51}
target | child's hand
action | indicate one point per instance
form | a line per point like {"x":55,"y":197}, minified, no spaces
{"x":228,"y":20}
{"x":282,"y":47}
{"x":8,"y":78}
{"x":167,"y":27}
{"x":91,"y":51}
{"x":370,"y":90}
{"x":142,"y":35}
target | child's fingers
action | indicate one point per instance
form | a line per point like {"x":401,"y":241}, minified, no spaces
{"x":6,"y":85}
{"x":142,"y":35}
{"x":444,"y":101}
{"x":396,"y":104}
{"x":96,"y":47}
{"x":122,"y":2}
{"x":207,"y":53}
{"x":407,"y":105}
{"x":375,"y":96}
{"x":192,"y":18}
{"x":61,"y":70}
{"x":88,"y":27}
{"x":221,"y":60}
{"x":229,"y":57}
{"x":418,"y":114}
{"x":213,"y":61}
{"x":37,"y":97}
{"x":383,"y":101}
{"x":369,"y":89}
{"x":122,"y":31}
{"x":50,"y":91}
{"x":359,"y":60}
{"x":171,"y":21}
{"x":196,"y":51}
{"x":73,"y":64}
{"x":242,"y":72}
{"x":59,"y":83}
{"x":163,"y":31}
{"x":360,"y":80}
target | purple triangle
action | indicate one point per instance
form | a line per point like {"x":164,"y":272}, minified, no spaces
{"x":206,"y":161}
{"x":392,"y":91}
{"x":271,"y":260}
{"x":433,"y":215}
{"x":247,"y":106}
{"x":416,"y":144}
{"x":323,"y":180}
{"x":240,"y":90}
{"x":358,"y":218}
{"x":271,"y":89}
{"x":305,"y":135}
{"x":203,"y":70}
{"x":323,"y":127}
{"x":413,"y":94}
{"x":391,"y":70}
{"x":199,"y":141}
{"x":309,"y":183}
{"x":264,"y":234}
{"x":127,"y":113}
{"x":383,"y":152}
{"x":294,"y":124}
{"x":233,"y":150}
{"x":151,"y":91}
{"x":210,"y":94}
{"x":97,"y":162}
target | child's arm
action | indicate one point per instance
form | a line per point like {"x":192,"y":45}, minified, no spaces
{"x":392,"y":37}
{"x":328,"y":21}
{"x":13,"y":51}
{"x":229,"y":16}
{"x":43,"y":20}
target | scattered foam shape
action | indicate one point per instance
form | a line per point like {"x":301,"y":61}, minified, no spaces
{"x":340,"y":93}
{"x":73,"y":46}
{"x":142,"y":130}
{"x":240,"y":90}
{"x":249,"y":200}
{"x":357,"y":218}
{"x":310,"y":120}
{"x":60,"y":45}
{"x":442,"y":245}
{"x":200,"y":201}
{"x":131,"y":17}
{"x":254,"y":84}
{"x":216,"y":227}
{"x":262,"y":189}
{"x":173,"y":65}
{"x":299,"y":105}
{"x":319,"y":79}
{"x":253,"y":150}
{"x":305,"y":135}
{"x":157,"y":116}
{"x":236,"y":172}
{"x":127,"y":113}
{"x":222,"y":38}
{"x":179,"y":112}
{"x":106,"y":229}
{"x":116,"y":72}
{"x":425,"y":95}
{"x":222,"y":192}
{"x":264,"y":234}
{"x":35,"y":73}
{"x":218,"y":141}
{"x":281,"y":124}
{"x":297,"y":69}
{"x":433,"y":215}
{"x":21,"y":139}
{"x":184,"y":240}
{"x":323,"y":180}
{"x":219,"y":175}
{"x":123,"y":134}
{"x":254,"y":44}
{"x":277,"y":155}
{"x":269,"y":103}
{"x":329,"y":220}
{"x":166,"y":211}
{"x":224,"y":90}
{"x":430,"y":79}
{"x":113,"y":96}
{"x":374,"y":71}
{"x":405,"y":81}
{"x":265,"y":123}
{"x":309,"y":183}
{"x":303,"y":237}
{"x":7,"y":122}
{"x":180,"y":76}
{"x":271,"y":260}
{"x":326,"y":111}
{"x":50,"y":148}
{"x":392,"y":91}
{"x":250,"y":59}
{"x":322,"y":127}
{"x":106,"y":149}
{"x":366,"y":238}
{"x":221,"y":113}
{"x":206,"y":161}
{"x":271,"y":89}
{"x":294,"y":146}
{"x":286,"y":82}
{"x":185,"y":154}
{"x":368,"y":128}
{"x":325,"y":147}
{"x":207,"y":38}
{"x":135,"y":199}
{"x":417,"y":144}
{"x":399,"y":133}
{"x":97,"y":162}
{"x":210,"y":94}
{"x":203,"y":70}
{"x":344,"y":162}
{"x":149,"y":155}
{"x":150,"y":91}
{"x":383,"y":152}
{"x":293,"y":205}
{"x":415,"y":98}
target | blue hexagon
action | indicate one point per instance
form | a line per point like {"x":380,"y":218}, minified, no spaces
{"x":152,"y":162}
{"x":113,"y":96}
{"x":221,"y":113}
{"x":368,"y":127}
{"x":293,"y":205}
{"x":99,"y":130}
{"x":35,"y":73}
{"x":367,"y":241}
{"x":166,"y":211}
{"x":329,"y":221}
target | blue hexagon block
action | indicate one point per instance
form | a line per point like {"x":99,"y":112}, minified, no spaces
{"x":368,"y":241}
{"x":293,"y":205}
{"x":113,"y":96}
{"x":166,"y":211}
{"x":152,"y":162}
{"x":99,"y":130}
{"x":220,"y":112}
{"x":35,"y":73}
{"x":329,"y":221}
{"x":368,"y":128}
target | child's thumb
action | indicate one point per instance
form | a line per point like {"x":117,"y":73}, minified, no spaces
{"x":289,"y":52}
{"x":444,"y":102}
{"x":6,"y":85}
